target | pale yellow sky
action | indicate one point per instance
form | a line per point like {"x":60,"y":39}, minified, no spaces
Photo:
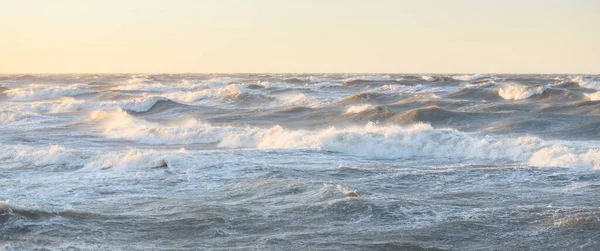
{"x":445,"y":36}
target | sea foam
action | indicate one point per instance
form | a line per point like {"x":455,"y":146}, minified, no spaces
{"x":519,"y":92}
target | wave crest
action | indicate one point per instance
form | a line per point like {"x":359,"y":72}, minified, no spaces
{"x":46,"y":91}
{"x":519,"y":92}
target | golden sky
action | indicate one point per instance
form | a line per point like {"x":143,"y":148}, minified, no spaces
{"x":175,"y":36}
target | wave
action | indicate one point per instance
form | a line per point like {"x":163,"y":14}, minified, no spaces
{"x":232,"y":93}
{"x":295,"y":109}
{"x":593,"y":96}
{"x":562,"y":156}
{"x":429,"y":78}
{"x":358,"y":108}
{"x":119,"y":124}
{"x":475,"y":94}
{"x":398,"y":88}
{"x":8,"y":116}
{"x":429,"y":114}
{"x":372,"y":140}
{"x":46,"y":91}
{"x":369,"y":78}
{"x":25,"y":119}
{"x":59,"y":105}
{"x":519,"y":92}
{"x":146,"y":85}
{"x":375,"y":141}
{"x":137,"y":104}
{"x":469,"y":78}
{"x":53,"y":155}
{"x":142,"y":159}
{"x":587,"y":83}
{"x":369,"y":97}
{"x":583,"y":107}
{"x":69,"y":104}
{"x":301,"y":100}
{"x":8,"y":210}
{"x":3,"y":90}
{"x":370,"y":113}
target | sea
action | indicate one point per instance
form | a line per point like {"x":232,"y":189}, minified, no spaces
{"x":299,"y":162}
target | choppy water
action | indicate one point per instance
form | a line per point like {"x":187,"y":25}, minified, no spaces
{"x":280,"y":162}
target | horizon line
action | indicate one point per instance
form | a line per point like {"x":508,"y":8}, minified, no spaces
{"x":256,"y":73}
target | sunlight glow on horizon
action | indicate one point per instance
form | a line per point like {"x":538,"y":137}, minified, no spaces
{"x":187,"y":36}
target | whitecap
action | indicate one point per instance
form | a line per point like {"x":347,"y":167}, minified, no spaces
{"x":519,"y":92}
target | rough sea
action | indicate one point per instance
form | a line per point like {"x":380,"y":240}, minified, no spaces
{"x":299,"y":162}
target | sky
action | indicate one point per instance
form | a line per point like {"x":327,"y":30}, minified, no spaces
{"x":301,"y":36}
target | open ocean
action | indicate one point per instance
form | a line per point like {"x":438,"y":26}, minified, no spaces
{"x":300,"y":162}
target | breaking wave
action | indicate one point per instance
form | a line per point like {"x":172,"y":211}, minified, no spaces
{"x":39,"y":157}
{"x":47,"y":91}
{"x":593,"y":96}
{"x":358,"y":108}
{"x":470,"y":77}
{"x":587,"y":83}
{"x":519,"y":92}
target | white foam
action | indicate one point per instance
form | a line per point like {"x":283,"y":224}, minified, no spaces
{"x":138,"y":104}
{"x":317,"y":86}
{"x":119,"y":124}
{"x":142,"y":159}
{"x":593,"y":96}
{"x":401,"y":88}
{"x":587,"y":82}
{"x":369,"y":78}
{"x":300,"y":100}
{"x":60,"y":105}
{"x":358,"y":108}
{"x":15,"y":118}
{"x":469,"y":77}
{"x":389,"y":141}
{"x":4,"y":206}
{"x":395,"y":88}
{"x":44,"y":156}
{"x":519,"y":92}
{"x":276,"y":85}
{"x":46,"y":91}
{"x":428,"y":78}
{"x":137,"y":84}
{"x":371,"y":140}
{"x":562,"y":156}
{"x":315,"y":79}
{"x":7,"y":116}
{"x":227,"y":92}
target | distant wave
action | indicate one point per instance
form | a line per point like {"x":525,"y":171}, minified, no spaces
{"x":137,"y":104}
{"x":429,"y":78}
{"x":25,"y":118}
{"x":398,"y":88}
{"x":470,"y":77}
{"x":368,"y":78}
{"x":475,"y":93}
{"x":366,"y":97}
{"x":46,"y":91}
{"x":429,"y":114}
{"x":301,"y":100}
